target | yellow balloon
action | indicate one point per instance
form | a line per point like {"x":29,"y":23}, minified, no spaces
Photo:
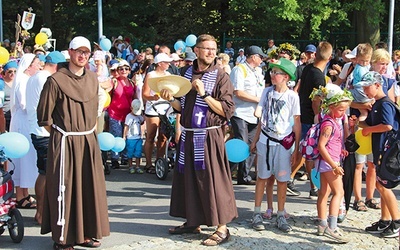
{"x":365,"y":143}
{"x":4,"y":55}
{"x":108,"y":101}
{"x":41,"y":38}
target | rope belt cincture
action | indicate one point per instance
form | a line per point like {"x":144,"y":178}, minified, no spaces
{"x":61,"y":186}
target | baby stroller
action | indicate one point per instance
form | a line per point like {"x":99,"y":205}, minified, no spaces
{"x":167,"y":126}
{"x":10,"y":217}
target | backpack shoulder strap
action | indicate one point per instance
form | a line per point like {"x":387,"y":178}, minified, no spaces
{"x":243,"y":68}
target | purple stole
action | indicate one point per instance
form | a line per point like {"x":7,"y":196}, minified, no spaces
{"x":199,"y":122}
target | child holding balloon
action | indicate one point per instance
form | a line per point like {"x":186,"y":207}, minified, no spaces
{"x":335,"y":102}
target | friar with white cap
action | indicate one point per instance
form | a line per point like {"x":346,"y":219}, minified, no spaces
{"x":75,"y":202}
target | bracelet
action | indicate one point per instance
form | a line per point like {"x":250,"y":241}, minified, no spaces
{"x":171,"y":100}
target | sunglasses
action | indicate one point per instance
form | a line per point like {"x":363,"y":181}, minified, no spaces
{"x":124,"y":68}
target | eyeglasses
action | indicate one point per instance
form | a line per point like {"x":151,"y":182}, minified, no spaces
{"x":124,"y":68}
{"x":208,"y":49}
{"x":81,"y":52}
{"x":11,"y":71}
{"x":260,"y":56}
{"x":219,"y":58}
{"x":273,"y":72}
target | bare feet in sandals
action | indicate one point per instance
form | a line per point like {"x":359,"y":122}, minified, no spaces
{"x":217,"y":238}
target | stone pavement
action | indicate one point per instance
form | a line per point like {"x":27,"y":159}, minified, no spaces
{"x":138,"y":211}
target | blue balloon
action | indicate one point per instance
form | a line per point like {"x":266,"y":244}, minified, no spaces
{"x":105,"y":44}
{"x":119,"y":145}
{"x":106,"y":141}
{"x":15,"y":145}
{"x":180,"y":45}
{"x":316,"y":178}
{"x":237,"y":150}
{"x":191,"y":40}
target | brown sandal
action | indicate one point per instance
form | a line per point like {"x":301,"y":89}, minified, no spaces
{"x":359,"y":206}
{"x":371,"y":203}
{"x":184,"y":229}
{"x":217,"y":238}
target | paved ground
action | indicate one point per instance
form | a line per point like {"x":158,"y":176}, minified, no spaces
{"x":138,"y":211}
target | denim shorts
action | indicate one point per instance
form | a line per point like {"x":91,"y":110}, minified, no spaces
{"x":41,"y":144}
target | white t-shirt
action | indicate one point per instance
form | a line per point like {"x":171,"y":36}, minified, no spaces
{"x":161,"y":108}
{"x":277,"y":110}
{"x":134,"y":122}
{"x":253,"y":84}
{"x":33,"y":89}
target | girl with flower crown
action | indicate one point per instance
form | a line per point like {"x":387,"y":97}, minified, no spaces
{"x":335,"y":102}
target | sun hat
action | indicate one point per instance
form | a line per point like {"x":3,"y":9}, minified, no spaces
{"x":254,"y":50}
{"x":162,"y":57}
{"x":352,"y":54}
{"x":285,"y":65}
{"x":370,"y":78}
{"x":10,"y":64}
{"x":190,"y":56}
{"x":136,"y":106}
{"x":177,"y":85}
{"x":78,"y":42}
{"x":123,"y":63}
{"x":331,"y":94}
{"x":98,"y":55}
{"x":55,"y":57}
{"x":311,"y":48}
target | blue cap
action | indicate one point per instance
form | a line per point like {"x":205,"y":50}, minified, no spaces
{"x":311,"y":48}
{"x":41,"y":57}
{"x":55,"y":57}
{"x":10,"y":64}
{"x":113,"y":61}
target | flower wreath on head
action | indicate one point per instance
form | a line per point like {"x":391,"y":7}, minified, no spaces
{"x":288,"y":47}
{"x":330,"y":94}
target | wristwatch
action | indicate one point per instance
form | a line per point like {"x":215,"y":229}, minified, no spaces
{"x":205,"y":95}
{"x":172,"y":100}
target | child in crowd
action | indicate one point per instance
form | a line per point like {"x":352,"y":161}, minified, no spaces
{"x":363,"y":58}
{"x":382,"y":119}
{"x":274,"y":158}
{"x":335,"y":102}
{"x":133,"y":136}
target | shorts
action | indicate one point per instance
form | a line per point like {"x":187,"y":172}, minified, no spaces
{"x":322,"y":166}
{"x":364,"y":158}
{"x":134,"y":148}
{"x":279,"y":161}
{"x":41,"y":144}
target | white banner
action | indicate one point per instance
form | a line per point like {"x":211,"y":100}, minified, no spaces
{"x":27,"y":20}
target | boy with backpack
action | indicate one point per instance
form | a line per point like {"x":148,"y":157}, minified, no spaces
{"x":382,"y":120}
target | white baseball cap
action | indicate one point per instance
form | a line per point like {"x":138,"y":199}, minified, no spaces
{"x":78,"y":42}
{"x":352,"y":54}
{"x":162,"y":57}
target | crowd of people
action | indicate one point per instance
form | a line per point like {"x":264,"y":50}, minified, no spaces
{"x":61,"y":100}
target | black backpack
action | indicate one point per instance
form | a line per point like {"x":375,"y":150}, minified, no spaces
{"x":388,"y":169}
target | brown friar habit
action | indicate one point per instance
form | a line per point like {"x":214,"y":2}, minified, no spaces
{"x":205,"y":196}
{"x":70,"y":102}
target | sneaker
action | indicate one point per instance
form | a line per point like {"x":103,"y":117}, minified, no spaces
{"x":282,"y":224}
{"x":335,"y":235}
{"x":258,"y":224}
{"x":291,"y":190}
{"x":321,"y":230}
{"x":139,"y":171}
{"x":378,"y":227}
{"x":313,"y":194}
{"x":132,"y":170}
{"x":391,"y":231}
{"x":287,"y":215}
{"x":304,"y":177}
{"x":115,"y":164}
{"x":268,"y":214}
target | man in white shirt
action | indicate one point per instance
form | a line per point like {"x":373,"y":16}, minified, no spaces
{"x":248,"y":83}
{"x":241,"y":58}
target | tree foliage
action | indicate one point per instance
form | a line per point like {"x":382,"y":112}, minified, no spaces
{"x":165,"y":21}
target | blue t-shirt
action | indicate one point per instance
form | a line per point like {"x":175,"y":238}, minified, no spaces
{"x":383,"y":112}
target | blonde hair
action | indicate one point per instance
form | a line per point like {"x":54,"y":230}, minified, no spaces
{"x":324,"y":51}
{"x":224,"y":58}
{"x":380,"y":55}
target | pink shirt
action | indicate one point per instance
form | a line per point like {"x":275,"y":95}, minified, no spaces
{"x":121,"y":99}
{"x":335,"y":143}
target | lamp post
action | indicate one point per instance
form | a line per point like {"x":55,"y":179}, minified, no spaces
{"x":100,"y":18}
{"x":390,"y":31}
{"x":1,"y":20}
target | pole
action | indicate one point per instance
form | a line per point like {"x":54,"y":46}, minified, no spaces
{"x":390,"y":31}
{"x":1,"y":20}
{"x":100,"y":17}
